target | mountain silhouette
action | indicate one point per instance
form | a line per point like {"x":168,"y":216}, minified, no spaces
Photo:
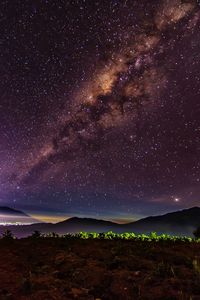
{"x":181,"y":222}
{"x":11,"y":211}
{"x":12,"y":216}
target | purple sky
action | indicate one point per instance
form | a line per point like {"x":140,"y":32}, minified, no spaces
{"x":99,"y":107}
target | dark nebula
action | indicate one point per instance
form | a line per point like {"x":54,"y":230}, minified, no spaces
{"x":99,"y":107}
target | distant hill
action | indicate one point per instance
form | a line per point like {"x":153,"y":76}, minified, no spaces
{"x":11,"y":211}
{"x":180,"y":222}
{"x":76,"y":224}
{"x":176,"y":223}
{"x":12,"y":216}
{"x":72,"y":225}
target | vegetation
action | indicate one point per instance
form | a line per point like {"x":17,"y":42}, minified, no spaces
{"x":7,"y":235}
{"x":197,"y":233}
{"x":152,"y":237}
{"x":36,"y":234}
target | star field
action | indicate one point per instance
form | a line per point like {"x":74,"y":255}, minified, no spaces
{"x":99,"y":107}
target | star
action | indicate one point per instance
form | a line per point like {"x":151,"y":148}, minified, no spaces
{"x":99,"y":106}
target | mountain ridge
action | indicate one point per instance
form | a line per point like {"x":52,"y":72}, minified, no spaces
{"x":170,"y":214}
{"x":182,"y":222}
{"x":12,"y":210}
{"x":11,"y":216}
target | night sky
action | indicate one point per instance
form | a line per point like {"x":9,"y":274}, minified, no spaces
{"x":99,"y":107}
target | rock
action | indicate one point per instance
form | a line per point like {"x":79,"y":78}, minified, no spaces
{"x":5,"y":295}
{"x":60,"y":274}
{"x":59,"y":259}
{"x":137,"y":273}
{"x":79,"y":292}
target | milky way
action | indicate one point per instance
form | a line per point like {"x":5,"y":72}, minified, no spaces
{"x":100,"y":106}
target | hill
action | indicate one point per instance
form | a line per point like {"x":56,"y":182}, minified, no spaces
{"x":13,"y":217}
{"x":176,"y":223}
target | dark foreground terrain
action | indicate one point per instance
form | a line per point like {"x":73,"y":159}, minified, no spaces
{"x":56,"y":268}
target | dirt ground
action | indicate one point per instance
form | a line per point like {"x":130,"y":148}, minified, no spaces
{"x":55,"y":268}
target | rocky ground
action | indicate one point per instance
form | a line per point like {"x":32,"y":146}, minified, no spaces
{"x":54,"y":268}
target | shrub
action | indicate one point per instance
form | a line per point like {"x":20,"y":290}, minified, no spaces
{"x":7,"y":235}
{"x":197,"y":233}
{"x":82,"y":235}
{"x":36,"y":234}
{"x":52,"y":235}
